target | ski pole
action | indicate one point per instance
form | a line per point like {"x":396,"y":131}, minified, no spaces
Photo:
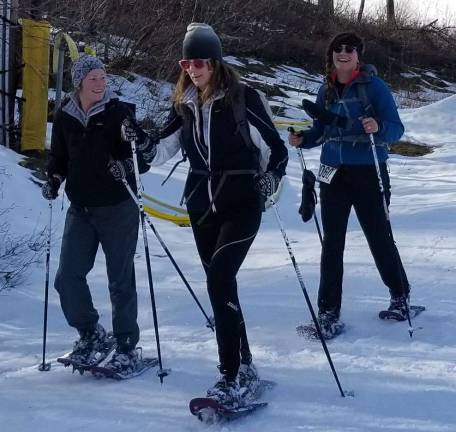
{"x":309,"y":304}
{"x":210,"y":323}
{"x":303,"y":166}
{"x":45,"y":367}
{"x":161,"y":372}
{"x":388,"y":221}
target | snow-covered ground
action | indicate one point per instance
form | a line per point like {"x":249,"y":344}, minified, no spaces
{"x":400,"y":384}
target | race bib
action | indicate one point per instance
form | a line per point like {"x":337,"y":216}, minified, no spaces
{"x":326,"y":173}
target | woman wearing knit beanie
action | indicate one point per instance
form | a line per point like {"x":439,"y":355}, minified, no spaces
{"x":348,"y":173}
{"x":91,"y":154}
{"x":224,"y":191}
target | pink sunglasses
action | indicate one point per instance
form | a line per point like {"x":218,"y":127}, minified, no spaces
{"x":197,"y":63}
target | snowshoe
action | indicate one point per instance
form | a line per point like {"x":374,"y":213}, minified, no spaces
{"x":210,"y":410}
{"x":396,"y":314}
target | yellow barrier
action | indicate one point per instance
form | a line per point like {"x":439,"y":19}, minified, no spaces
{"x":181,"y":218}
{"x":292,"y":122}
{"x":165,"y":205}
{"x":72,"y":48}
{"x":35,"y":56}
{"x":183,"y":221}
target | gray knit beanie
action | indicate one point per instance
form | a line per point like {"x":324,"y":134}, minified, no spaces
{"x":201,"y":42}
{"x":82,"y":66}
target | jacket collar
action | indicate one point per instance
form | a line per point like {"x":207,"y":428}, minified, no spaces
{"x":73,"y":107}
{"x":355,"y":74}
{"x":361,"y":75}
{"x":191,"y":96}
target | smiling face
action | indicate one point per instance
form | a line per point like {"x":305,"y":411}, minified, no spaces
{"x":200,"y":76}
{"x":345,"y":61}
{"x":93,"y":87}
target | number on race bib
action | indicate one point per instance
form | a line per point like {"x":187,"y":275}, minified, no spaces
{"x":326,"y":173}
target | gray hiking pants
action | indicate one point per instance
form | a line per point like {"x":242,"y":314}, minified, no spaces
{"x":116,"y":229}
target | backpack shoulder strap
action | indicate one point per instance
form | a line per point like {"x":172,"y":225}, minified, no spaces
{"x":361,"y":89}
{"x":240,"y":116}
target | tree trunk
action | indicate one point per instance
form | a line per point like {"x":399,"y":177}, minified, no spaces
{"x":326,"y":7}
{"x":35,"y":10}
{"x":390,"y":16}
{"x":361,"y":11}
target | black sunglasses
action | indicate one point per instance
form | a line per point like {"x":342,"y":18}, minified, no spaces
{"x":348,"y":48}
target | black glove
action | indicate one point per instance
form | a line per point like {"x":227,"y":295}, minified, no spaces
{"x":309,"y":196}
{"x":146,"y":144}
{"x":267,"y":184}
{"x":325,"y":116}
{"x":149,"y":148}
{"x":50,"y":189}
{"x":120,"y":169}
{"x":130,"y":131}
{"x":299,"y":133}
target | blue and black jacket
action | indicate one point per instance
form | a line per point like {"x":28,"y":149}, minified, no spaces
{"x":352,"y":146}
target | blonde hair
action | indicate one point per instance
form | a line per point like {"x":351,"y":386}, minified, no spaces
{"x":223,"y":77}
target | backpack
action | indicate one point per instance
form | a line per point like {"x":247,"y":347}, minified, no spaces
{"x":242,"y":125}
{"x":361,"y":94}
{"x":361,"y":90}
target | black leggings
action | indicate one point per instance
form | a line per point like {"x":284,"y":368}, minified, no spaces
{"x":223,"y":240}
{"x":356,"y":186}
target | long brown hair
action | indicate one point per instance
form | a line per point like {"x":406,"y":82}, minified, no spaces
{"x":224,"y":77}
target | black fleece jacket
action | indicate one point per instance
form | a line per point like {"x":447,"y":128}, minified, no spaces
{"x":81,"y":155}
{"x":225,"y":151}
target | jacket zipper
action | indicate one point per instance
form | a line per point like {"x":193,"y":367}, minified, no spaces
{"x":209,"y":186}
{"x":195,"y":138}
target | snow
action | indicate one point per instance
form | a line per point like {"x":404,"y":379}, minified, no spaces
{"x":442,"y":113}
{"x":400,"y":384}
{"x":233,"y":61}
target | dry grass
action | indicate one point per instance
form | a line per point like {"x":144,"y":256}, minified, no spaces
{"x":408,"y":148}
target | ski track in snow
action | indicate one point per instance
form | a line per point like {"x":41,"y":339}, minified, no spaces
{"x":400,"y":384}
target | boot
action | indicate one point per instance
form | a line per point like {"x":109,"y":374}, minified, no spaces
{"x":399,"y":306}
{"x":249,"y":380}
{"x":124,"y":362}
{"x":225,"y":392}
{"x":89,"y":344}
{"x":330,"y":325}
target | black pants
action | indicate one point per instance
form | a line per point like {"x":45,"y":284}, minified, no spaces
{"x":116,"y":229}
{"x":223,"y":240}
{"x":357,"y":186}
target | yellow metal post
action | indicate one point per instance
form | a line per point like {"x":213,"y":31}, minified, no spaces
{"x":35,"y":54}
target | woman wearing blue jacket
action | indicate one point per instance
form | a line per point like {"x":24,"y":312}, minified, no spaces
{"x":348,"y":176}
